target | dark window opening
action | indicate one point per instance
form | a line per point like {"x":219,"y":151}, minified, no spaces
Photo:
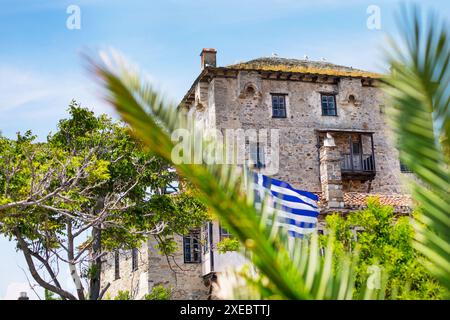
{"x":224,"y":233}
{"x":356,"y":148}
{"x":404,"y":168}
{"x":359,"y":155}
{"x":206,"y":239}
{"x":278,"y":106}
{"x":191,"y":247}
{"x":116,"y":265}
{"x":357,"y":232}
{"x":134,"y":259}
{"x":250,"y":91}
{"x":257,"y":155}
{"x":328,"y":105}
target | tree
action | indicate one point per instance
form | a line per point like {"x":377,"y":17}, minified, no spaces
{"x":384,"y":244}
{"x":88,"y":177}
{"x":159,"y":292}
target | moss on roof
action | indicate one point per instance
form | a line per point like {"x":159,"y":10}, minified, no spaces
{"x":302,"y":66}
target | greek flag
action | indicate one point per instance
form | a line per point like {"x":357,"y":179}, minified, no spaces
{"x":296,"y":210}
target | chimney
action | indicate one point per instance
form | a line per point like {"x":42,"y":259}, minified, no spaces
{"x":208,"y":58}
{"x":23,"y":296}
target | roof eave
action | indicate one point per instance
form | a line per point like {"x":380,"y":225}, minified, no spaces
{"x":213,"y":70}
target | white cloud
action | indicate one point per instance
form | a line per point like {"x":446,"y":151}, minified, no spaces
{"x":27,"y":86}
{"x":20,"y":87}
{"x":30,"y":99}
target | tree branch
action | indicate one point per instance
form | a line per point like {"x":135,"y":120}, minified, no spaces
{"x":28,"y":258}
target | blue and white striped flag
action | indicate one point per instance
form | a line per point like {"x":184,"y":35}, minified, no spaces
{"x":296,"y":210}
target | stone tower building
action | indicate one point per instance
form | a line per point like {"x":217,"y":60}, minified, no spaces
{"x":332,"y":140}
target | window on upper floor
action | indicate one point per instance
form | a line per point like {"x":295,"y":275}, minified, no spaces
{"x":206,"y":237}
{"x":224,"y":233}
{"x":328,"y":102}
{"x":134,"y":259}
{"x":257,"y":155}
{"x":278,"y":106}
{"x":116,"y":265}
{"x":191,"y":247}
{"x":404,"y":168}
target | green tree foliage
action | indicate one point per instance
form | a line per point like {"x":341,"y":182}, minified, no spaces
{"x":88,"y":189}
{"x":48,"y":295}
{"x":228,"y":245}
{"x":123,"y":295}
{"x":383,"y":241}
{"x":159,"y":292}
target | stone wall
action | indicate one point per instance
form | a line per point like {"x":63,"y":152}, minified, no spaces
{"x":154,"y":269}
{"x":136,"y":282}
{"x":185,"y":278}
{"x":358,"y":107}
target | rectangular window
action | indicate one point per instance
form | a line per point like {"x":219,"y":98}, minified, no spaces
{"x":356,"y":148}
{"x":224,"y":233}
{"x":278,"y":106}
{"x":134,"y":259}
{"x":404,"y":168}
{"x":191,"y":247}
{"x":206,"y":239}
{"x":328,"y":104}
{"x":257,"y":155}
{"x":116,"y":265}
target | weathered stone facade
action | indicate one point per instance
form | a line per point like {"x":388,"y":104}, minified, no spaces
{"x":154,"y":269}
{"x":133,"y":281}
{"x":341,"y":157}
{"x":298,"y":131}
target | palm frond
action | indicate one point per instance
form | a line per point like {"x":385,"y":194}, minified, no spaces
{"x":418,"y":87}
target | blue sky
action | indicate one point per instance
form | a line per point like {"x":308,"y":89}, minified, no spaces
{"x":41,"y":69}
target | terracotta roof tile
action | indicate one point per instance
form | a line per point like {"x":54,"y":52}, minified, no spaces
{"x":357,"y":200}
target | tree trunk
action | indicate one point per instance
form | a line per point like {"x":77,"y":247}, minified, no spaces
{"x":96,"y":265}
{"x":71,"y":260}
{"x":35,"y":274}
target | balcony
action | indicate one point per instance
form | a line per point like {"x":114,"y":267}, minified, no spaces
{"x":358,"y":166}
{"x":356,"y":150}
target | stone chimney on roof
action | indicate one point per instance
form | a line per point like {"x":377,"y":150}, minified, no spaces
{"x":208,"y":58}
{"x":23,"y":296}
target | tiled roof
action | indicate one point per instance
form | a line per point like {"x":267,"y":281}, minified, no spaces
{"x":302,"y":66}
{"x":356,"y":199}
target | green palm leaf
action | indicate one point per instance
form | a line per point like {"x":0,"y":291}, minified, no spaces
{"x":420,"y":94}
